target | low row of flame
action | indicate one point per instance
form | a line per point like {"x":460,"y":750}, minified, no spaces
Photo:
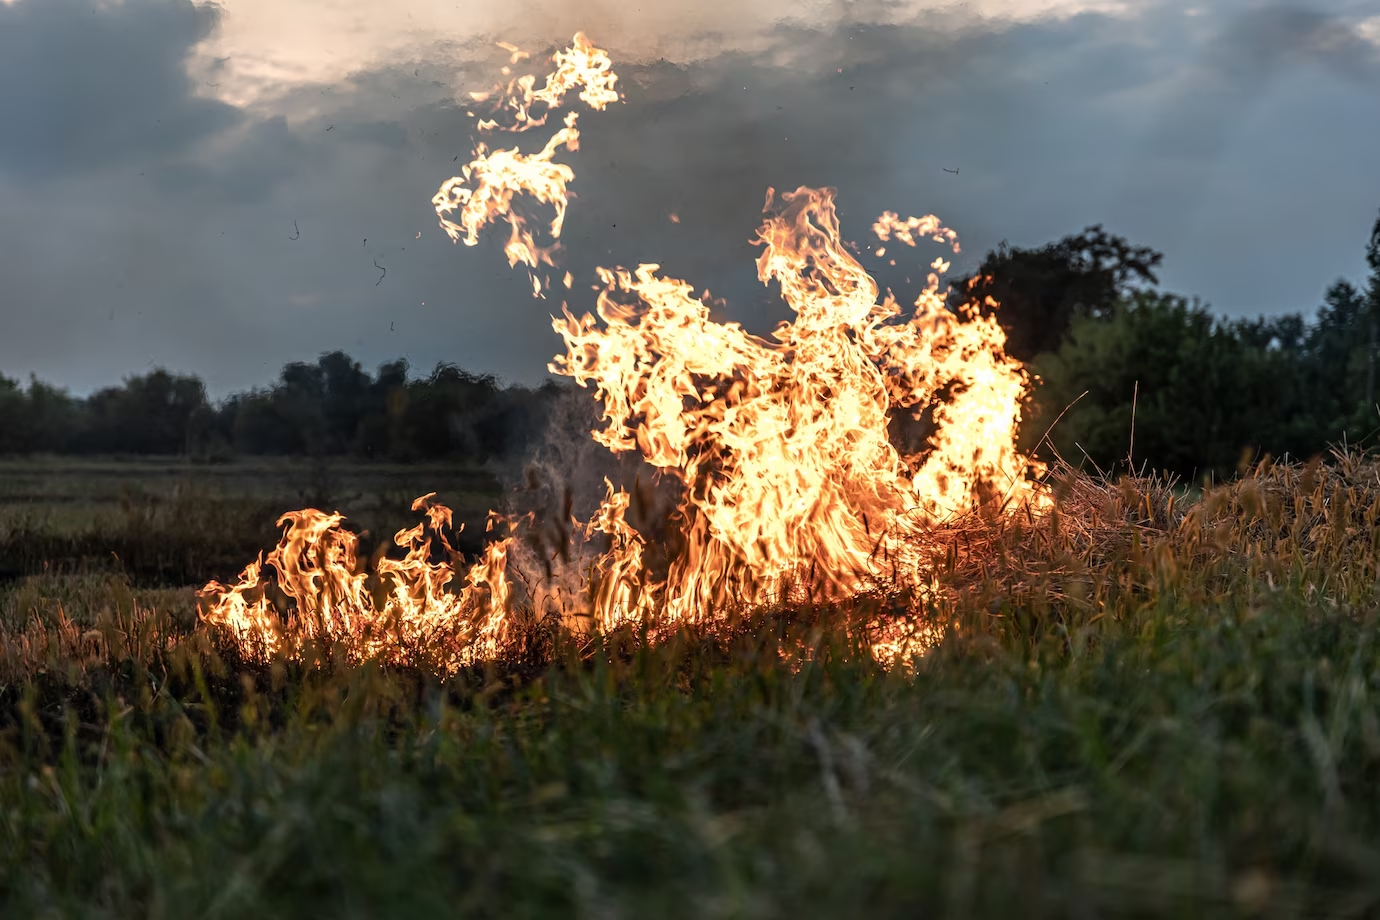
{"x":790,"y":483}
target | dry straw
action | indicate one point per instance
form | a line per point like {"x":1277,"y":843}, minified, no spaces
{"x":1108,"y":550}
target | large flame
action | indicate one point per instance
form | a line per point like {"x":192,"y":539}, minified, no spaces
{"x":783,"y":446}
{"x":790,"y":484}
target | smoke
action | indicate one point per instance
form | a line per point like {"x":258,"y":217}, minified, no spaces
{"x":677,"y":175}
{"x":561,"y":485}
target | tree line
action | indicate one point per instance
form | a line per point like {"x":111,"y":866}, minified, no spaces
{"x":328,"y":407}
{"x":1125,"y":372}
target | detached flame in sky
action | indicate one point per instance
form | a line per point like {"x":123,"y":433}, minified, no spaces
{"x":792,"y":487}
{"x":485,"y":189}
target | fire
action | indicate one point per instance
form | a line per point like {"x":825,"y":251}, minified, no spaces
{"x":782,"y":445}
{"x":790,"y":485}
{"x":399,"y":604}
{"x":485,"y":189}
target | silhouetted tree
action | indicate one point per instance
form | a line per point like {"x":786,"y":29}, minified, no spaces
{"x":14,"y":418}
{"x":1041,"y":291}
{"x":346,"y":399}
{"x":334,"y":406}
{"x":440,"y":414}
{"x":1372,"y":309}
{"x":157,"y":413}
{"x":1201,"y":392}
{"x":382,"y":426}
{"x":56,"y":419}
{"x":1334,"y":368}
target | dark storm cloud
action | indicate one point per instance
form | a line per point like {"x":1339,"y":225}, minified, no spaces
{"x":1255,"y":45}
{"x":1262,"y":132}
{"x":186,"y":257}
{"x":1242,"y":63}
{"x":248,"y":167}
{"x":84,"y":85}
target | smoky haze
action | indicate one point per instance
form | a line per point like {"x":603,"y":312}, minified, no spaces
{"x":165,"y":206}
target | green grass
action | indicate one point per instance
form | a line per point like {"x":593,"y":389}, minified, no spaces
{"x":1140,"y":709}
{"x":173,"y":522}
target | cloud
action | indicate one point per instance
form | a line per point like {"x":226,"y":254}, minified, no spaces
{"x":268,"y":48}
{"x":84,"y":85}
{"x":1244,"y":58}
{"x":1261,"y":132}
{"x":178,"y":250}
{"x":1369,"y":29}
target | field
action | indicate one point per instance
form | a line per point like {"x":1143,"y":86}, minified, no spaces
{"x":1143,"y":705}
{"x":174,"y":523}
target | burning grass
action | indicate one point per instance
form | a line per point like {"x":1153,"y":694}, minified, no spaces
{"x":1142,"y":704}
{"x":1122,"y":702}
{"x":790,"y":487}
{"x":168,"y":522}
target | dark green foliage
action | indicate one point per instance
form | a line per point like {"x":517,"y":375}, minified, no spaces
{"x":1042,"y":291}
{"x":158,"y":413}
{"x":328,"y":408}
{"x":1201,"y":390}
{"x":41,"y":418}
{"x":334,"y":407}
{"x":1208,"y":394}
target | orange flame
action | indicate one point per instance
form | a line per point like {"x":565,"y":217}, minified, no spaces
{"x":782,"y":446}
{"x":791,"y":486}
{"x":485,"y":189}
{"x":398,"y":604}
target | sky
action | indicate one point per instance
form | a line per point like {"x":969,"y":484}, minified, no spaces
{"x":207,"y":188}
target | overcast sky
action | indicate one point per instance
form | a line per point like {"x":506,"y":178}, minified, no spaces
{"x":155,"y":154}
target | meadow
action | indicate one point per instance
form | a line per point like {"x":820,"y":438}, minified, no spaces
{"x":169,"y":522}
{"x":1147,"y":703}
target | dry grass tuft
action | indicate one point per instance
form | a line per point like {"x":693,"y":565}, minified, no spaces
{"x":1111,"y":546}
